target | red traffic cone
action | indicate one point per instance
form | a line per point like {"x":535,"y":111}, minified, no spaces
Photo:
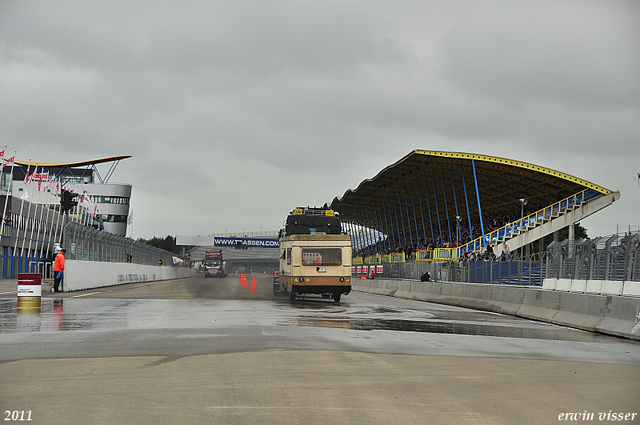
{"x":253,"y":284}
{"x":243,"y":280}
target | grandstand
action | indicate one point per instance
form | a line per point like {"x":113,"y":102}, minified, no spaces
{"x":438,"y":206}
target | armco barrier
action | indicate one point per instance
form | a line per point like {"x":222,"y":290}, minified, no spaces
{"x":80,"y":275}
{"x":614,"y":315}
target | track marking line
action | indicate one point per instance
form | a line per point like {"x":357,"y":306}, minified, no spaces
{"x":85,"y":295}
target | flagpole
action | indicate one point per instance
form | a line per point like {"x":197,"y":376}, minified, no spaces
{"x":6,"y":197}
{"x":33,"y":226}
{"x":46,"y":222}
{"x":1,"y":172}
{"x":39,"y":198}
{"x":21,"y":219}
{"x":54,"y":221}
{"x":42,"y":189}
{"x":60,"y":216}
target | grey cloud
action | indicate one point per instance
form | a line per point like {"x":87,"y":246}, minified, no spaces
{"x":240,"y":106}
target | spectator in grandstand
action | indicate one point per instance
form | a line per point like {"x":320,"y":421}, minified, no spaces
{"x":490,"y":255}
{"x":621,"y":249}
{"x":464,"y":256}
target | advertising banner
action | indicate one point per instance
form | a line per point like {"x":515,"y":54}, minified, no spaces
{"x":246,"y":242}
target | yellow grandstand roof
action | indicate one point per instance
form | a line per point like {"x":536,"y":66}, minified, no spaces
{"x":74,"y":164}
{"x":447,"y":178}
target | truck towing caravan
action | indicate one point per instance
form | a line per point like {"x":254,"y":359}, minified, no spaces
{"x":315,"y":255}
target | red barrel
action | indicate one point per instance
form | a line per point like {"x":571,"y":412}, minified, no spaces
{"x":29,"y":291}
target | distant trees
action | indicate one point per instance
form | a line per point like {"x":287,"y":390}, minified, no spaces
{"x":168,"y":243}
{"x":580,"y":233}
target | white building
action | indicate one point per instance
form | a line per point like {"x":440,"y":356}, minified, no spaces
{"x":111,"y":199}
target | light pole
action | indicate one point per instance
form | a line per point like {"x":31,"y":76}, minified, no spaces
{"x":458,"y":220}
{"x":523,"y":202}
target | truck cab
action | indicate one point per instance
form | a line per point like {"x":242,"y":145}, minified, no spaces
{"x":213,"y":264}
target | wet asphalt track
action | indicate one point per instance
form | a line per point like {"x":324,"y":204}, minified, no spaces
{"x":453,"y":365}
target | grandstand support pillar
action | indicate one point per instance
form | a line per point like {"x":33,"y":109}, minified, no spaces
{"x":446,"y":208}
{"x":424,"y":228}
{"x":404,"y":235}
{"x":435,"y":197}
{"x":363,"y":235}
{"x":395,"y":236}
{"x":378,"y":215}
{"x":466,"y":201}
{"x":374,"y":220}
{"x":387,"y":219}
{"x":415,"y":219}
{"x":406,"y":204}
{"x":426,"y":193}
{"x":475,"y":179}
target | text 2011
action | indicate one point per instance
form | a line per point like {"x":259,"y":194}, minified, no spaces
{"x":17,"y":415}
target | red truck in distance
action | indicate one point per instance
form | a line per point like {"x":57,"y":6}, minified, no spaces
{"x":213,"y":264}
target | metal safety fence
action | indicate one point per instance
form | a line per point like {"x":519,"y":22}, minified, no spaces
{"x":612,"y":257}
{"x":529,"y":271}
{"x":88,"y":244}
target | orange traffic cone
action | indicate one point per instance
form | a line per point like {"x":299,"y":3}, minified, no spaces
{"x":243,"y":280}
{"x":253,"y":284}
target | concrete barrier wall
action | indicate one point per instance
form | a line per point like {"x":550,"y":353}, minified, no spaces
{"x":631,"y":289}
{"x":609,"y":314}
{"x":601,"y":287}
{"x":80,"y":275}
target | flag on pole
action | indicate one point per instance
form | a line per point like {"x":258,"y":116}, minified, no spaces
{"x":8,"y":161}
{"x":86,"y":201}
{"x":56,"y":189}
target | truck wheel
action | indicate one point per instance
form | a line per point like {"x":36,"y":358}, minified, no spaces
{"x":336,"y":297}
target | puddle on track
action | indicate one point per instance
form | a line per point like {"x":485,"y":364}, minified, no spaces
{"x":540,"y":331}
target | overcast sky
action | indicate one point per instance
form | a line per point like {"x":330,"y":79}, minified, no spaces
{"x":235,"y":112}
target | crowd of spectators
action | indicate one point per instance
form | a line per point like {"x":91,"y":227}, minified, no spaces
{"x":409,"y":245}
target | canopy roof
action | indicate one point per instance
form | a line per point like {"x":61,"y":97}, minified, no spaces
{"x":74,"y":164}
{"x":443,"y":184}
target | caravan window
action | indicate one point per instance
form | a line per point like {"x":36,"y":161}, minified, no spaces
{"x":321,"y":257}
